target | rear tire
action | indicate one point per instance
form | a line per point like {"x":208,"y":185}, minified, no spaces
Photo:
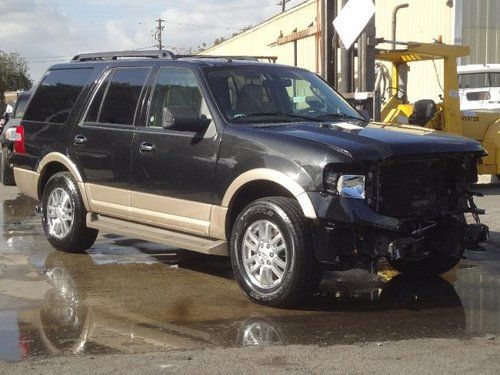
{"x":64,"y":215}
{"x":6,"y":171}
{"x":271,"y":253}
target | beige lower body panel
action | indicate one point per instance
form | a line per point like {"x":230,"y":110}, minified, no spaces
{"x":27,"y":182}
{"x":159,"y":235}
{"x":169,"y":213}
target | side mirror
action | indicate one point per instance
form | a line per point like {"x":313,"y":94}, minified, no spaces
{"x":184,"y":119}
{"x":6,"y":117}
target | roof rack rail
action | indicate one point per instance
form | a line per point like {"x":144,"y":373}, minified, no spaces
{"x":272,"y":59}
{"x":105,"y":56}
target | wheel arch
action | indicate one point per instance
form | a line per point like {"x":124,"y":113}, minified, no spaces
{"x":54,"y":163}
{"x":261,"y":183}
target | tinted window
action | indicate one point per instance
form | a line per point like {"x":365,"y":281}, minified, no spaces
{"x":55,"y":98}
{"x":121,"y":92}
{"x":176,"y":88}
{"x":22,"y":101}
{"x":95,"y":108}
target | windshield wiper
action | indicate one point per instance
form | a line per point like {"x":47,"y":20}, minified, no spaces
{"x":276,"y":114}
{"x":340,"y":116}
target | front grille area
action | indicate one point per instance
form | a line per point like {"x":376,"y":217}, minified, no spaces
{"x":420,"y":188}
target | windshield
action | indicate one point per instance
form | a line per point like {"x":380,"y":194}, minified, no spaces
{"x":479,"y":80}
{"x":253,"y":94}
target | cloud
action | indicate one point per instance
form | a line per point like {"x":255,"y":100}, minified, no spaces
{"x":49,"y":31}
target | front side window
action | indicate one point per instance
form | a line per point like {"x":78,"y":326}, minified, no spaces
{"x":55,"y":98}
{"x":117,"y":98}
{"x":265,"y":94}
{"x":176,"y":91}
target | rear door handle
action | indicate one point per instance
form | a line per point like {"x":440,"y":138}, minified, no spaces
{"x":147,"y":147}
{"x":80,"y":140}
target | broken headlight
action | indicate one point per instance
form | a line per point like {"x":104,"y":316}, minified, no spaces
{"x":352,"y":186}
{"x":345,"y":185}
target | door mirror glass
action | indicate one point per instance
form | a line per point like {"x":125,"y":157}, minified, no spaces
{"x":184,"y":119}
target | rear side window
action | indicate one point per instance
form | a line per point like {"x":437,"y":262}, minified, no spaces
{"x":22,"y":101}
{"x":55,"y":98}
{"x":116,"y":100}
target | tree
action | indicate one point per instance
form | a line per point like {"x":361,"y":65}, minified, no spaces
{"x":13,"y":75}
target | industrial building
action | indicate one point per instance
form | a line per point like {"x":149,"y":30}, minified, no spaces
{"x":294,"y":36}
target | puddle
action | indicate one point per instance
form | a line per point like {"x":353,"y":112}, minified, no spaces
{"x":129,"y":296}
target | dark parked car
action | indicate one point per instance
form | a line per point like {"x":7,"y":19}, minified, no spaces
{"x":263,"y":163}
{"x":14,"y":120}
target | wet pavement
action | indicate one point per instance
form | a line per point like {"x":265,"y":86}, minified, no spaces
{"x":129,"y":296}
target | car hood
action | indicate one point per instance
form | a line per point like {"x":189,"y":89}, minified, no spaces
{"x":378,"y":141}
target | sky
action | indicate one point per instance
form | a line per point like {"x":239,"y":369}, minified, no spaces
{"x":46,"y":32}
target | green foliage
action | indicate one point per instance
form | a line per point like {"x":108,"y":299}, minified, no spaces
{"x":13,"y":74}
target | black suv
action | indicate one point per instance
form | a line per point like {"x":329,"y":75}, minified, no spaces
{"x":263,"y":163}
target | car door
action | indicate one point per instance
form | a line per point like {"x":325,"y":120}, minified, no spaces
{"x":173,"y":166}
{"x":101,"y":144}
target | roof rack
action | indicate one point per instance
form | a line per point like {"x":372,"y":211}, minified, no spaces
{"x":157,"y":54}
{"x":104,"y":56}
{"x":272,"y":59}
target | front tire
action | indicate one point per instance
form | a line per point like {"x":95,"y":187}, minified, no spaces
{"x":271,"y":253}
{"x":6,"y":171}
{"x":64,"y":215}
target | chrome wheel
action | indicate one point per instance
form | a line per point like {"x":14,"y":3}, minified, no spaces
{"x":60,"y":213}
{"x":265,"y":254}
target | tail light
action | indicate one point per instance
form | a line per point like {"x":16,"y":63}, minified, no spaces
{"x":16,"y":135}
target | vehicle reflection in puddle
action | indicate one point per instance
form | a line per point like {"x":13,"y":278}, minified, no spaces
{"x":129,"y":296}
{"x":116,"y":308}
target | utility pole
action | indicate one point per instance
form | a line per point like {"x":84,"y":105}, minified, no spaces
{"x":158,"y":33}
{"x":283,"y":5}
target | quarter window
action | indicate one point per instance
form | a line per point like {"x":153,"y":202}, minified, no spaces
{"x":117,"y":98}
{"x":176,"y":88}
{"x":57,"y":94}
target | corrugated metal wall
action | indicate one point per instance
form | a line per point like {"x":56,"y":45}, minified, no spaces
{"x":481,"y":31}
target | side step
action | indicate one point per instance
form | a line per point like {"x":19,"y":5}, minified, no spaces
{"x":158,"y":235}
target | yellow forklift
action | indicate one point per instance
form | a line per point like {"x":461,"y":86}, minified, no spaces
{"x":482,"y":125}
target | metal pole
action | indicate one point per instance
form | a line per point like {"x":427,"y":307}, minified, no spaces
{"x":395,"y":21}
{"x":329,"y":57}
{"x":345,"y":81}
{"x":366,"y":61}
{"x":295,"y":53}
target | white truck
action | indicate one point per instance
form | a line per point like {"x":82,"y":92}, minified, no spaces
{"x":479,"y":86}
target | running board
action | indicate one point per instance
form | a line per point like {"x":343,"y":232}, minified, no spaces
{"x":158,"y":235}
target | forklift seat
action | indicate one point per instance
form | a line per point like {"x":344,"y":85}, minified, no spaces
{"x":423,"y":111}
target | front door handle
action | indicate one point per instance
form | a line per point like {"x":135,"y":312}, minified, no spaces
{"x":80,"y":140}
{"x":147,"y":147}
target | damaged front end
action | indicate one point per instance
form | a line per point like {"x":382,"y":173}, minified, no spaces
{"x":412,"y":208}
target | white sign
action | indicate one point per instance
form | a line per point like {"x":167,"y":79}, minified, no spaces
{"x":352,"y":20}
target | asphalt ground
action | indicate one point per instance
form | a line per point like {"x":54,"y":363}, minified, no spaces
{"x":137,"y":303}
